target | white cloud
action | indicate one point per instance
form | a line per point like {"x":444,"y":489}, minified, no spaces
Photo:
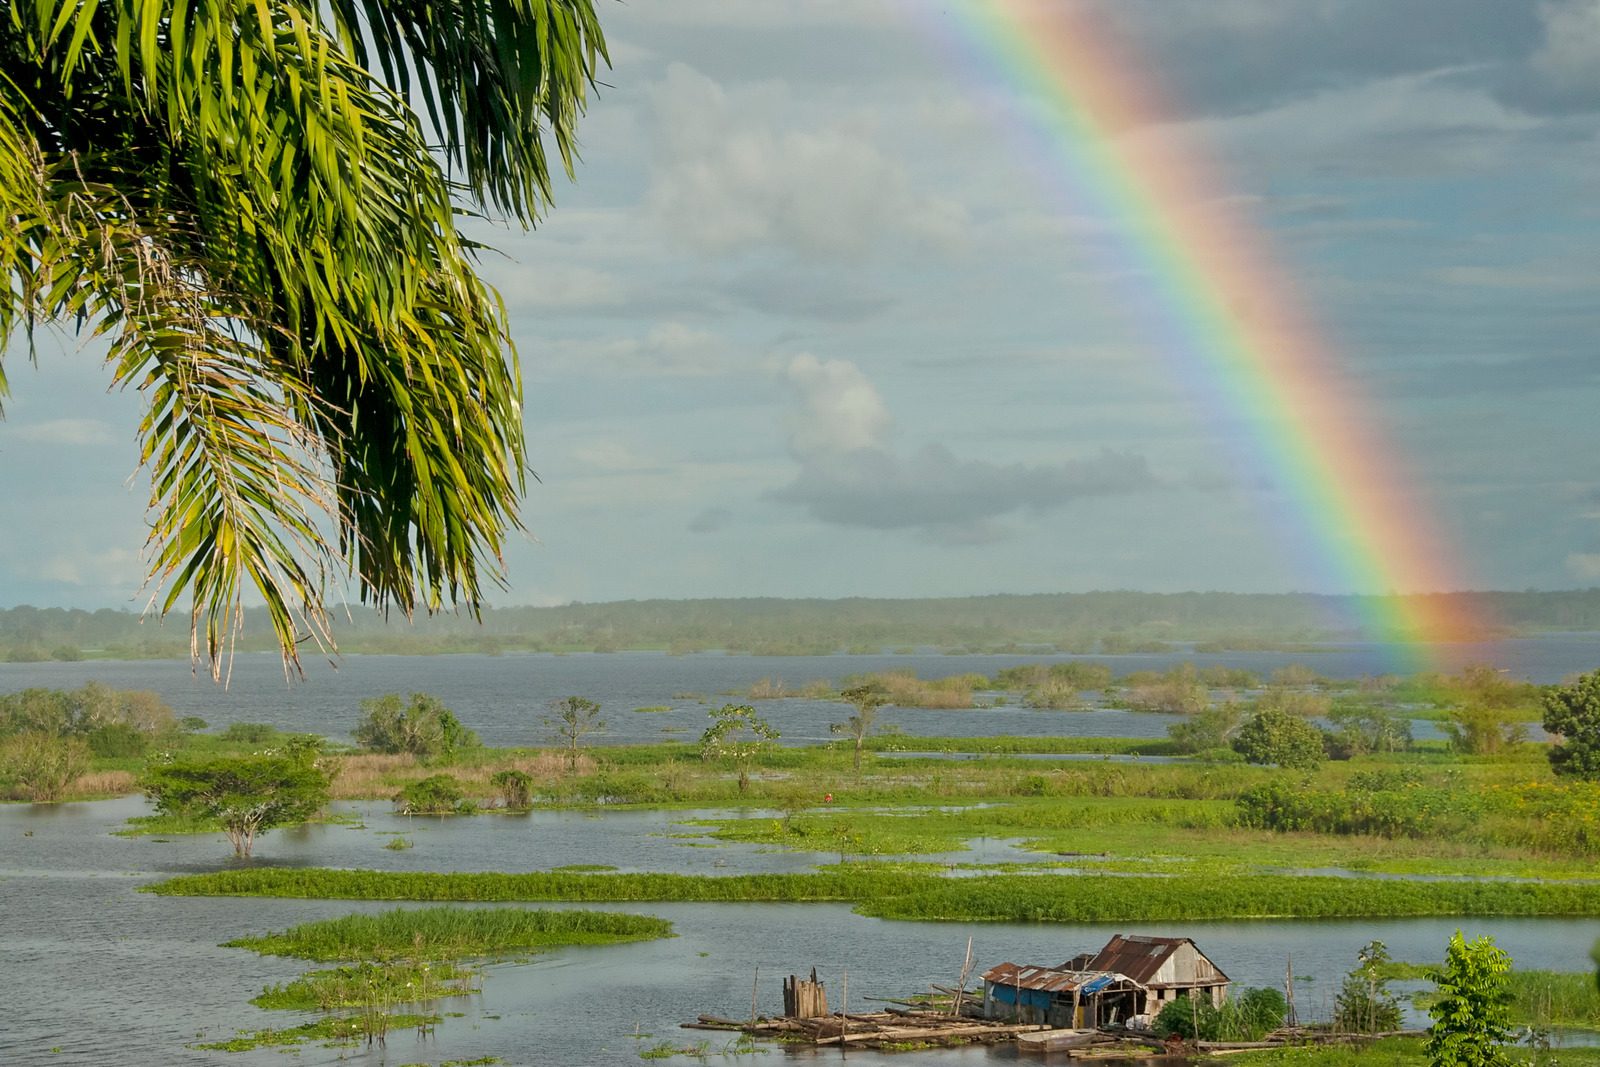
{"x":1569,"y":59}
{"x":850,"y":476}
{"x":842,"y":411}
{"x":735,"y":170}
{"x":1584,"y":566}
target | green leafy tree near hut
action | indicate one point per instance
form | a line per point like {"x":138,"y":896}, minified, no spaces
{"x":1472,"y":1009}
{"x":241,"y":198}
{"x":1364,"y":1004}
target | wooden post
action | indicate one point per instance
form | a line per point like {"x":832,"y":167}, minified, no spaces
{"x":754,"y":982}
{"x":844,"y":1012}
{"x":1288,"y":989}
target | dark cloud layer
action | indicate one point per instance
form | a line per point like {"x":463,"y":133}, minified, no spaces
{"x":933,"y":488}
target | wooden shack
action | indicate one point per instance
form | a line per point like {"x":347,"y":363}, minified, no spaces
{"x":1132,"y":976}
{"x":1165,"y":967}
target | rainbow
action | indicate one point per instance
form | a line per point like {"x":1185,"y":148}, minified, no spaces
{"x":1227,"y":312}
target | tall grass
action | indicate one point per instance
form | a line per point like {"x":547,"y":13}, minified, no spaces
{"x":358,"y":985}
{"x":452,"y":933}
{"x":898,"y":894}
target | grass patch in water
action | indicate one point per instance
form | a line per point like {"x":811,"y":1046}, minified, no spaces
{"x":366,"y":983}
{"x":334,"y":1030}
{"x":452,"y":933}
{"x":897,"y":894}
{"x":585,"y":868}
{"x":654,"y":709}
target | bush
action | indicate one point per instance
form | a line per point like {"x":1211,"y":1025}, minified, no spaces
{"x":1364,"y":1004}
{"x":249,"y":733}
{"x":439,"y":794}
{"x":1273,"y":735}
{"x":516,"y":788}
{"x":425,"y":728}
{"x":43,"y":765}
{"x":1205,"y":731}
{"x":118,"y":741}
{"x":1247,"y":1017}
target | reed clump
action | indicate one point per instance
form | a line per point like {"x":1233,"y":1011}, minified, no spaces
{"x":360,"y":984}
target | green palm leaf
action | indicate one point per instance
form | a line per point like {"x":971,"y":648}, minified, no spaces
{"x":261,"y":225}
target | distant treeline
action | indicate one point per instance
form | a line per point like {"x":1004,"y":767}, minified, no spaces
{"x":1088,"y":623}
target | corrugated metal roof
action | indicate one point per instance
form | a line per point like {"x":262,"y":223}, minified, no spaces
{"x":1140,"y":956}
{"x":1051,"y":980}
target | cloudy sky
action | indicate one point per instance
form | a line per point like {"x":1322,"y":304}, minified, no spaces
{"x":824,"y":315}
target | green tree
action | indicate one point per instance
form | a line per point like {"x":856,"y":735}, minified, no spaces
{"x":1485,"y":708}
{"x":570,"y":720}
{"x":1572,"y":712}
{"x":1364,"y":1004}
{"x":867,"y":699}
{"x":1471,"y":1009}
{"x":255,"y":202}
{"x":737,"y":733}
{"x":424,"y":728}
{"x":1272,"y":735}
{"x":248,"y":795}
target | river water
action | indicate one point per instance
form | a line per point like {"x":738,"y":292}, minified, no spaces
{"x":504,"y":697}
{"x":97,"y":973}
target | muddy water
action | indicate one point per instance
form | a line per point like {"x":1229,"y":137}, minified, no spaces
{"x":108,"y":975}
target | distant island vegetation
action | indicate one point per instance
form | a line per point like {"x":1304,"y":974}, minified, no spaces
{"x":1104,"y":623}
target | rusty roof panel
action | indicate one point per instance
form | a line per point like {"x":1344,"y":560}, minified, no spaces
{"x":1140,"y":956}
{"x":1050,"y":980}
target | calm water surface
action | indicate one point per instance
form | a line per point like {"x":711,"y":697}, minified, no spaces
{"x":504,"y":698}
{"x":107,"y":975}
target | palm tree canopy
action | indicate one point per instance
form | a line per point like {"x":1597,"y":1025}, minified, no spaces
{"x":256,"y":203}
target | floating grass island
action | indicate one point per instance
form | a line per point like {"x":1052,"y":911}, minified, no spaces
{"x":417,"y":934}
{"x":909,"y":894}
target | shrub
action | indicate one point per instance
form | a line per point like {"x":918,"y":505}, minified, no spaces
{"x":1247,"y":1017}
{"x":439,"y":794}
{"x":1364,"y":1004}
{"x":43,"y":765}
{"x":1273,"y":735}
{"x":1205,"y":731}
{"x":424,"y":728}
{"x":249,"y":733}
{"x":118,"y":741}
{"x":516,"y":788}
